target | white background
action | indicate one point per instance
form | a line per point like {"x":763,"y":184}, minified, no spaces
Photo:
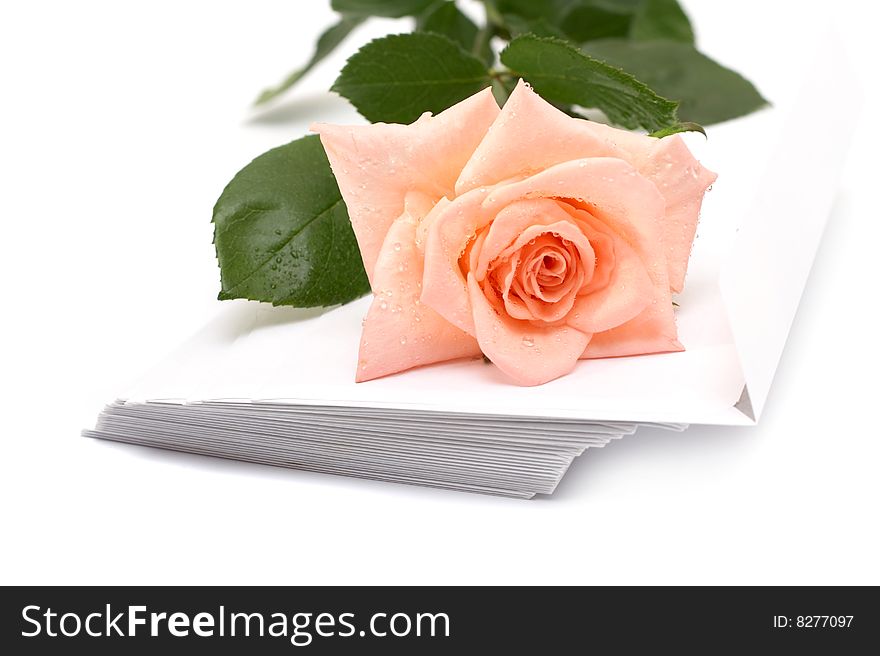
{"x":119,"y":126}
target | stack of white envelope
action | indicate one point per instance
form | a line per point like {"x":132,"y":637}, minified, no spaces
{"x":276,"y":385}
{"x":508,"y":456}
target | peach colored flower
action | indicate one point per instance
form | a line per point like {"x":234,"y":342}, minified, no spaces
{"x":523,"y":234}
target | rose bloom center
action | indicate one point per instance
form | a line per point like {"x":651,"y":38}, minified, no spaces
{"x":551,"y":256}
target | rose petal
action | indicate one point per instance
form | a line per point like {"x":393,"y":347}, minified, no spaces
{"x":548,"y":305}
{"x":512,"y":303}
{"x":565,"y":229}
{"x":400,"y":332}
{"x":511,"y":221}
{"x":601,"y":239}
{"x":468,"y":259}
{"x":683,"y":181}
{"x":548,"y":312}
{"x":529,"y":355}
{"x":497,"y":285}
{"x":653,"y":331}
{"x":426,"y":223}
{"x":418,"y":205}
{"x":530,"y":134}
{"x":603,"y":247}
{"x":628,"y":292}
{"x":551,"y":289}
{"x":548,"y":268}
{"x":444,"y":288}
{"x":376,"y":165}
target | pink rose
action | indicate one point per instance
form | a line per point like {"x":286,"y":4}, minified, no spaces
{"x":523,"y":234}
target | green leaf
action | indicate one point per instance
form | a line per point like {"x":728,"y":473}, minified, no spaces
{"x":445,"y":18}
{"x":386,"y":8}
{"x":549,"y":10}
{"x":575,"y":20}
{"x":519,"y":25}
{"x":677,"y":129}
{"x":708,"y":92}
{"x":399,"y":77}
{"x":282,"y":232}
{"x":587,"y":21}
{"x":563,"y":74}
{"x":327,"y":43}
{"x":661,"y":19}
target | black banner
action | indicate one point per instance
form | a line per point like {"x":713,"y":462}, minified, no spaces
{"x":435,"y":620}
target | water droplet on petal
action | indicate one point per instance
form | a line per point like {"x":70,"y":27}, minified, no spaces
{"x":383,"y":305}
{"x":528,"y":342}
{"x":402,"y":340}
{"x":397,"y":246}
